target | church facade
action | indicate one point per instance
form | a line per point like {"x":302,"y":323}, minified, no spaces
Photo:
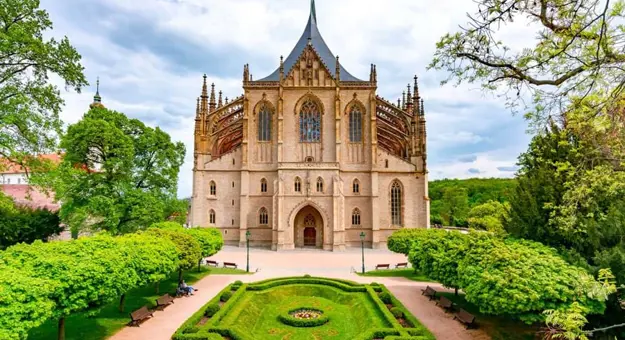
{"x":309,"y":156}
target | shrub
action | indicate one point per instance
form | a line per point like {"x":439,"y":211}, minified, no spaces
{"x":191,"y":330}
{"x":374,"y":284}
{"x":238,"y":282}
{"x":287,"y":319}
{"x":386,"y":298}
{"x":397,"y":312}
{"x":225,"y":296}
{"x":211,"y":310}
{"x":306,"y":275}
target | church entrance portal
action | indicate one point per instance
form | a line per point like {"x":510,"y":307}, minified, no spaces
{"x":308,"y":228}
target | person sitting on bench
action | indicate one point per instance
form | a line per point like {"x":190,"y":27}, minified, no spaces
{"x":186,"y":288}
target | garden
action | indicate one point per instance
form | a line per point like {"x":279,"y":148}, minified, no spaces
{"x":301,"y":308}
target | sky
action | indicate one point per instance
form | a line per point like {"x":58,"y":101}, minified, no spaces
{"x":150,"y":56}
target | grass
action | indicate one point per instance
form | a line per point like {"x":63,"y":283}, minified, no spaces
{"x":408,"y":273}
{"x":109,"y":320}
{"x":228,"y":271}
{"x":497,"y":327}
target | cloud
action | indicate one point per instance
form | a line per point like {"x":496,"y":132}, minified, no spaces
{"x":150,"y":57}
{"x":508,"y":168}
{"x":474,"y":171}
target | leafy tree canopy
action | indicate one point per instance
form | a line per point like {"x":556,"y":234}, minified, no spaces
{"x":23,"y":224}
{"x":489,"y":216}
{"x":188,"y":248}
{"x":117,"y":174}
{"x":29,"y":104}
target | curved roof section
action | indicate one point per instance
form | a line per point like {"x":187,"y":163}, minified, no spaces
{"x":311,"y":35}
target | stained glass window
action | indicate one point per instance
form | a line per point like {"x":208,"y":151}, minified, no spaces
{"x":264,"y":124}
{"x":309,"y":123}
{"x":396,"y":203}
{"x":355,"y":125}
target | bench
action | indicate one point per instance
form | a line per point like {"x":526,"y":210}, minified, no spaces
{"x":380,"y":266}
{"x":445,"y":303}
{"x":429,"y":292}
{"x":164,"y":301}
{"x":212,"y":263}
{"x":402,"y":265}
{"x":230,"y":265}
{"x":182,"y":292}
{"x":140,"y":315}
{"x":465,"y":317}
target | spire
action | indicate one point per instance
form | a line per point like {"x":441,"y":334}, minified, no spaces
{"x":212,"y":105}
{"x":403,"y":100}
{"x":422,"y":108}
{"x":219,"y":102}
{"x":204,"y":97}
{"x":416,"y":88}
{"x":97,"y":100}
{"x":338,"y":66}
{"x":313,"y":11}
{"x":197,"y":109}
{"x":408,"y":96}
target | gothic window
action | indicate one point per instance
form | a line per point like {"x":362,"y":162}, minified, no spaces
{"x":396,"y":203}
{"x":356,"y":217}
{"x":355,"y":124}
{"x":211,"y":217}
{"x":319,"y":184}
{"x":309,"y":221}
{"x":264,"y":124}
{"x":298,"y":184}
{"x":263,"y":185}
{"x":213,"y":188}
{"x":356,"y":187}
{"x":263,"y":216}
{"x":309,"y":123}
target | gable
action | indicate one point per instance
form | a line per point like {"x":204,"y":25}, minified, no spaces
{"x":309,"y":70}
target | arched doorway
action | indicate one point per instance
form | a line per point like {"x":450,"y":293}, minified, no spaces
{"x":308,"y":228}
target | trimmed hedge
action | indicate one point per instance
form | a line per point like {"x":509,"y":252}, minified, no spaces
{"x":211,"y":310}
{"x":346,"y":286}
{"x":288,"y":319}
{"x":225,"y":296}
{"x":385,"y":297}
{"x":397,"y":312}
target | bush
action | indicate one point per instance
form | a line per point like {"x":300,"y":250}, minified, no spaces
{"x":238,"y":282}
{"x":211,"y":310}
{"x":191,"y":330}
{"x":386,"y":298}
{"x":225,"y":296}
{"x":397,"y":312}
{"x":306,"y":275}
{"x":287,"y":319}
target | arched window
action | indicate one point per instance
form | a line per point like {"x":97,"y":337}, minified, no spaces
{"x":356,"y":186}
{"x":298,"y":184}
{"x":211,"y":217}
{"x":396,"y":203}
{"x":319,"y":184}
{"x":213,"y":187}
{"x":263,"y":216}
{"x":263,"y":185}
{"x":355,"y":124}
{"x":264,"y":124}
{"x":309,"y":122}
{"x":356,"y":217}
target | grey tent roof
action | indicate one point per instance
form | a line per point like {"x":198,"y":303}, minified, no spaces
{"x":311,"y":33}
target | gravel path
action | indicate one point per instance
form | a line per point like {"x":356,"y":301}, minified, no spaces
{"x":269,"y":264}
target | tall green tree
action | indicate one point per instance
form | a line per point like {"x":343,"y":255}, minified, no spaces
{"x":24,"y":224}
{"x":489,"y":216}
{"x":117,"y":173}
{"x":455,"y":206}
{"x":29,"y":104}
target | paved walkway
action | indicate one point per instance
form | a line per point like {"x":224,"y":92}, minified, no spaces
{"x":269,"y":264}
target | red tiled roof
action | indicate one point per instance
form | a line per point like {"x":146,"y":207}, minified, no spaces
{"x":24,"y":194}
{"x":8,"y":167}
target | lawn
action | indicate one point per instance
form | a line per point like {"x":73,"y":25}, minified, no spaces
{"x":499,"y":328}
{"x":257,"y":310}
{"x":109,"y":320}
{"x":408,"y":273}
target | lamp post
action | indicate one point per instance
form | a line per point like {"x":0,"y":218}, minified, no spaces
{"x":362,"y":246}
{"x":247,"y":240}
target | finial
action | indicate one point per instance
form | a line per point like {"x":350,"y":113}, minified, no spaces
{"x":398,"y":102}
{"x":204,"y":90}
{"x":212,"y":103}
{"x":246,"y":73}
{"x":422,"y":108}
{"x":371,"y":74}
{"x":403,"y":99}
{"x":97,"y":100}
{"x":197,"y":109}
{"x":409,"y":96}
{"x":416,"y":88}
{"x":226,"y":100}
{"x":338,"y":68}
{"x":97,"y":88}
{"x":219,"y":102}
{"x":375,"y":73}
{"x":313,"y":11}
{"x":251,"y":77}
{"x":281,"y":68}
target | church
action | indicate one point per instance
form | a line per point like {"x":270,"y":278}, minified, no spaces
{"x":309,"y":156}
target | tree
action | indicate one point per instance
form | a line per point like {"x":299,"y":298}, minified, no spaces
{"x":176,"y":210}
{"x":455,"y":206}
{"x":489,"y":216}
{"x":24,"y":224}
{"x":117,"y":171}
{"x":29,"y":105}
{"x":188,"y":248}
{"x":210,"y":241}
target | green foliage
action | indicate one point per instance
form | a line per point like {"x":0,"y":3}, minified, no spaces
{"x":210,"y":239}
{"x":225,"y":296}
{"x":397,"y":312}
{"x":30,"y":106}
{"x":385,"y":297}
{"x":187,"y":247}
{"x":401,"y":240}
{"x":167,"y":225}
{"x":136,"y":177}
{"x":23,"y":224}
{"x":489,"y":216}
{"x":504,"y":276}
{"x":152,"y":258}
{"x":211,"y":310}
{"x":478,"y":191}
{"x":287,"y":319}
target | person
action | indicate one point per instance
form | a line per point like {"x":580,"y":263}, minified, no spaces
{"x":186,"y":288}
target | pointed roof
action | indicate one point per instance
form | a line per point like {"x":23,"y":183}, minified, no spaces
{"x":311,"y":35}
{"x":97,"y":100}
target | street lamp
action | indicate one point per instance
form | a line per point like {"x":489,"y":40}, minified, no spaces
{"x":247,"y":239}
{"x":362,"y":246}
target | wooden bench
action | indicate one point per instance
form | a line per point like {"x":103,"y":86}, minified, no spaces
{"x":380,"y":266}
{"x":230,"y":265}
{"x":429,"y":292}
{"x":212,"y":263}
{"x":402,"y":265}
{"x":445,"y":303}
{"x":164,"y":301}
{"x":140,"y":315}
{"x":465,"y":317}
